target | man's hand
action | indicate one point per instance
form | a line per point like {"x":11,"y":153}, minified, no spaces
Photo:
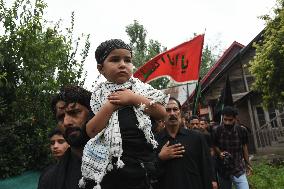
{"x":214,"y":185}
{"x":171,"y":151}
{"x":223,"y":154}
{"x":249,"y":170}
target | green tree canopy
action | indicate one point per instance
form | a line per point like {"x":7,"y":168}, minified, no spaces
{"x":36,"y":59}
{"x":267,"y":66}
{"x":143,"y":51}
{"x":208,"y":59}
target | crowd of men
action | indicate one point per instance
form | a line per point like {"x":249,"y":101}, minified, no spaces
{"x":191,"y":153}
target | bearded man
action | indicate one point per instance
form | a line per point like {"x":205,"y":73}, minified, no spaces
{"x":230,"y":144}
{"x":71,"y":119}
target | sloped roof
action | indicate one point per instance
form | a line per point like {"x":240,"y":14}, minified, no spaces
{"x":234,"y":48}
{"x":229,"y":53}
{"x":229,"y":57}
{"x":231,"y":62}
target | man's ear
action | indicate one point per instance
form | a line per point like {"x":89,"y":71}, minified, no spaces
{"x":100,"y":68}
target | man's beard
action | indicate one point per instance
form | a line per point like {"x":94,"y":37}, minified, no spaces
{"x":229,"y":126}
{"x":76,"y":140}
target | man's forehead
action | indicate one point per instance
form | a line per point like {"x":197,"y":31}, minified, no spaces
{"x":75,"y":105}
{"x":194,"y":121}
{"x":71,"y":105}
{"x":68,"y":107}
{"x":229,"y":117}
{"x":60,"y":104}
{"x":172,"y":103}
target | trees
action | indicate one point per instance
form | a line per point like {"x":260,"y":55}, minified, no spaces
{"x":267,"y":66}
{"x":143,"y":52}
{"x":208,"y":60}
{"x":35,"y":61}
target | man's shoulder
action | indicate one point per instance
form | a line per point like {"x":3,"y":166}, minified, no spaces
{"x":241,"y":128}
{"x":47,"y":170}
{"x":46,"y":177}
{"x":52,"y":172}
{"x":53,"y":168}
{"x":160,"y":135}
{"x":219,"y":127}
{"x":195,"y":135}
{"x":193,"y":132}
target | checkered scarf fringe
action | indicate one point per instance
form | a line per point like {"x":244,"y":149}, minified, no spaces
{"x":99,"y":151}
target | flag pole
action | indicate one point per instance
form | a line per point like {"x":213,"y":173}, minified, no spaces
{"x":187,"y":91}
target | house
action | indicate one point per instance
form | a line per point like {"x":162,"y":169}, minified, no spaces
{"x":266,"y":126}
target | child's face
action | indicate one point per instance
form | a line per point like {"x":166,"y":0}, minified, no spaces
{"x":58,"y":145}
{"x":117,"y":67}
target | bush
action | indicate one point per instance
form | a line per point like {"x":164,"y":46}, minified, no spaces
{"x":267,"y":176}
{"x":36,"y":59}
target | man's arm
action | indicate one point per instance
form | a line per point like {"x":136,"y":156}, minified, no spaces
{"x":206,"y":164}
{"x":246,"y":158}
{"x":243,"y":132}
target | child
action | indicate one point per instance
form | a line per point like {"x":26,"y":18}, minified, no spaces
{"x":58,"y":144}
{"x":120,"y":154}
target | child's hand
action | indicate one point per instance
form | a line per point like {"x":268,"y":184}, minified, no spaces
{"x":113,"y":106}
{"x":123,"y":97}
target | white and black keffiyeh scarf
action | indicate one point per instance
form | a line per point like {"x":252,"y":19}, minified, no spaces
{"x":99,"y":151}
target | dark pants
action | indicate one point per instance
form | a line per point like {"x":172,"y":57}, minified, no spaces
{"x":129,"y":177}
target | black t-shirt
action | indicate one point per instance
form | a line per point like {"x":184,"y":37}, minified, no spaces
{"x":136,"y":150}
{"x":134,"y":143}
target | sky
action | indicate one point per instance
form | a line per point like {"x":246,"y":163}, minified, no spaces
{"x":169,"y":22}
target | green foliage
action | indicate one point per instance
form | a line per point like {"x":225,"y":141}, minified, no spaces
{"x":267,"y":176}
{"x":35,"y":61}
{"x":143,"y":52}
{"x":137,"y":35}
{"x":208,"y":60}
{"x":267,"y":66}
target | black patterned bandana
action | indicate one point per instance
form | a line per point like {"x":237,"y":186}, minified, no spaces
{"x":105,"y":48}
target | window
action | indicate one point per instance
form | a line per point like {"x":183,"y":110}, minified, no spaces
{"x":281,"y":112}
{"x":260,"y":115}
{"x":272,"y":117}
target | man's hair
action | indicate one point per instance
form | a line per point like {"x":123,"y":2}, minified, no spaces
{"x":184,"y":114}
{"x":193,"y":117}
{"x":229,"y":111}
{"x":53,"y":132}
{"x":75,"y":94}
{"x":177,"y":101}
{"x":54,"y":100}
{"x":203,"y":119}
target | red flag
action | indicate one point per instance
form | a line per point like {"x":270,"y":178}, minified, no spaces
{"x":181,"y":63}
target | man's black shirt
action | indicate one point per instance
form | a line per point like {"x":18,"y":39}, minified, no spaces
{"x":193,"y":170}
{"x":65,"y":174}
